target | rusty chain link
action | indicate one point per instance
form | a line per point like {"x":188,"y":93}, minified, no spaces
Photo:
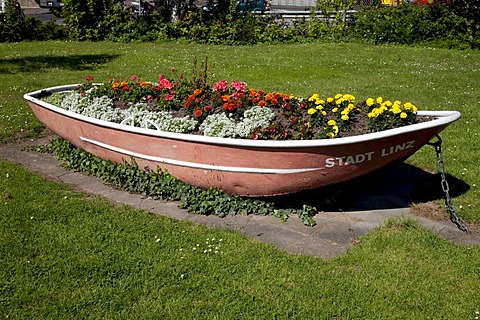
{"x":449,"y":205}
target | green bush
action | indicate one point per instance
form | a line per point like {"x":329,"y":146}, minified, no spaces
{"x":410,"y":24}
{"x":15,"y":27}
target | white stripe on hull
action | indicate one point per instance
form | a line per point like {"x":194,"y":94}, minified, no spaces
{"x":197,"y":165}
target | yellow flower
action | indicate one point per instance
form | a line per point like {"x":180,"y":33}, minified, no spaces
{"x":314,"y":97}
{"x":335,"y":129}
{"x":345,"y":117}
{"x":379,"y":100}
{"x":395,"y":109}
{"x":331,"y":122}
{"x":370,"y":102}
{"x":372,"y":115}
{"x":330,"y":135}
{"x":338,"y":96}
{"x":409,"y":106}
{"x":334,"y":109}
{"x":324,"y":113}
{"x":319,"y":107}
{"x":311,"y":111}
{"x":319,"y":101}
{"x":388,"y":103}
{"x":349,"y":97}
{"x":403,"y":115}
{"x":330,"y":99}
{"x":351,"y":106}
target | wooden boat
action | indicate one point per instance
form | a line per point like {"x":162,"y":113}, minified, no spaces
{"x":240,"y":166}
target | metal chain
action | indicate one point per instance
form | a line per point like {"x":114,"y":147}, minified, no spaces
{"x":449,"y":205}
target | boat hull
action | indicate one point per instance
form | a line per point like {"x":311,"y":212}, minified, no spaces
{"x":238,"y":166}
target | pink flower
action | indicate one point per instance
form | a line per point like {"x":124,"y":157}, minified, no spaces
{"x":89,"y":78}
{"x":164,"y":83}
{"x":149,"y":97}
{"x":220,"y":86}
{"x":168,"y":97}
{"x":133,"y":77}
{"x":255,"y":137}
{"x":238,"y":86}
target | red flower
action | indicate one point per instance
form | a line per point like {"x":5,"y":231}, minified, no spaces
{"x":207,"y":108}
{"x":197,"y":112}
{"x":262,"y":103}
{"x":89,"y":78}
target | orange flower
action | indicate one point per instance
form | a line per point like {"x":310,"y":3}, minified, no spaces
{"x":207,"y":108}
{"x":197,"y":92}
{"x":197,"y":112}
{"x":262,"y":103}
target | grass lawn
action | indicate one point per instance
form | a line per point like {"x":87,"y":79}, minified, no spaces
{"x":65,"y":254}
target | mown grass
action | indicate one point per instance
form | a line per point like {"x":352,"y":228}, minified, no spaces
{"x":67,"y":255}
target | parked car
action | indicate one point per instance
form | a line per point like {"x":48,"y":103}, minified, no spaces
{"x":50,"y":4}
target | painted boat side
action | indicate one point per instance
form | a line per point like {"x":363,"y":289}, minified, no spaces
{"x":238,"y":166}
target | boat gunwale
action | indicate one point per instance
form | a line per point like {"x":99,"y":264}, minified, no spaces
{"x":442,"y":118}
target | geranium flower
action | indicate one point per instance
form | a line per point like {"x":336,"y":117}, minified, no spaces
{"x":238,"y":86}
{"x":220,"y":86}
{"x":164,"y":83}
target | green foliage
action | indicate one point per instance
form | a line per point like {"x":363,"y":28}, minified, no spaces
{"x":15,"y":26}
{"x":409,"y":24}
{"x":161,"y":185}
{"x":94,"y":19}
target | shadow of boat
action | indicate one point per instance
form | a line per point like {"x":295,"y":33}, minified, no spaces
{"x":398,"y":185}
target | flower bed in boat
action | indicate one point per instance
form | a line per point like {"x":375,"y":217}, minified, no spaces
{"x":231,"y":109}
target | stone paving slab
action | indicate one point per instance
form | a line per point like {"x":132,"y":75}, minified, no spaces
{"x":333,"y":235}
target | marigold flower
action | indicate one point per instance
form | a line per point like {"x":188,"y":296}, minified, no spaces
{"x":207,"y":108}
{"x":345,"y":117}
{"x":403,"y":115}
{"x":379,"y":100}
{"x":311,"y":111}
{"x":334,"y":109}
{"x":370,"y":102}
{"x":330,"y":135}
{"x":330,"y":99}
{"x":262,"y":103}
{"x":197,"y":112}
{"x":331,"y":122}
